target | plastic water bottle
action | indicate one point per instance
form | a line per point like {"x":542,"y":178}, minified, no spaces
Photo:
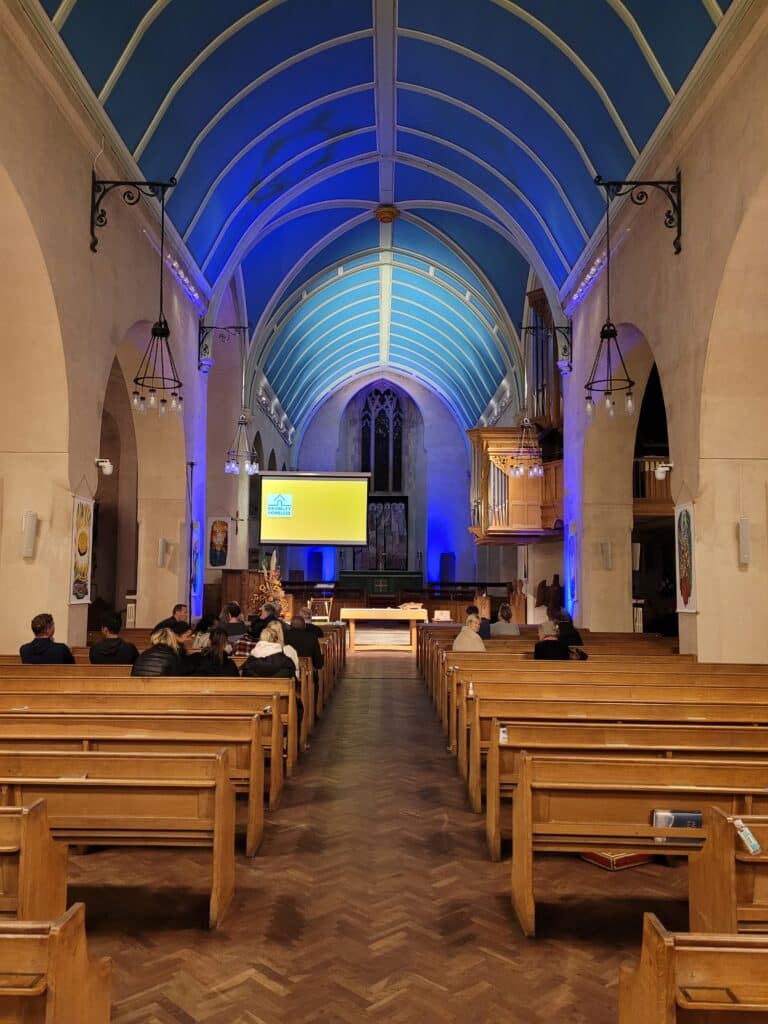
{"x":747,"y":836}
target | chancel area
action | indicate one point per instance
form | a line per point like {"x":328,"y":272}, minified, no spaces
{"x":383,"y":531}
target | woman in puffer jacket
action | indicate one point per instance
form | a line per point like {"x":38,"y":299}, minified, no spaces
{"x":269,"y":657}
{"x":161,"y":658}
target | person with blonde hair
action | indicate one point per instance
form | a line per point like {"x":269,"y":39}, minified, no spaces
{"x":162,"y":657}
{"x":469,"y":638}
{"x":270,"y":657}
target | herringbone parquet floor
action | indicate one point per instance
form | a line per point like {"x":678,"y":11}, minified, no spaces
{"x":372,"y":898}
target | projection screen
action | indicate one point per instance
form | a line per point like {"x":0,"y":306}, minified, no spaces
{"x":314,"y":508}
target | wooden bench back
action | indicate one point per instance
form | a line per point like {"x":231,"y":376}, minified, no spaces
{"x":33,"y":868}
{"x":46,"y":975}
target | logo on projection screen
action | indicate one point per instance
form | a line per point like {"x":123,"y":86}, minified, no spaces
{"x":279,"y":506}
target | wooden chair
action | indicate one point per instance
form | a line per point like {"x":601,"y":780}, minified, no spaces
{"x":694,"y":978}
{"x":728,"y":885}
{"x":94,"y":799}
{"x":46,"y":975}
{"x":33,"y":868}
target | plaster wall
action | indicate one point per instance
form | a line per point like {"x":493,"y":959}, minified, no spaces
{"x":95,"y":301}
{"x":671,"y":300}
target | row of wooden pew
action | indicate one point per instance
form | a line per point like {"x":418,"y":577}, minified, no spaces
{"x":576,"y":757}
{"x":91,"y":756}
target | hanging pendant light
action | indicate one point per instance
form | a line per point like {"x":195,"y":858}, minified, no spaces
{"x":157,"y":385}
{"x":240,"y":451}
{"x":608,"y":350}
{"x":527,"y":458}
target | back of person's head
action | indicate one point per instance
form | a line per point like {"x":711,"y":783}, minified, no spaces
{"x":555,"y":613}
{"x":180,"y":628}
{"x":505,"y":612}
{"x":306,"y":613}
{"x":547,"y":629}
{"x":273,"y":634}
{"x":232,"y":611}
{"x":165,"y":636}
{"x":219,"y":643}
{"x":112,"y":623}
{"x":206,"y":623}
{"x":42,"y":624}
{"x":472,"y":620}
{"x":472,"y":609}
{"x":298,"y":622}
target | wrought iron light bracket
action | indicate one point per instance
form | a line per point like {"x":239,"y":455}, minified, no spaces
{"x":133,"y":191}
{"x":206,"y":333}
{"x":562,"y":338}
{"x":638,"y":193}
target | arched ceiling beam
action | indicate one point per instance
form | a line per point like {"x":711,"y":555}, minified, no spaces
{"x":271,"y":177}
{"x":214,"y":45}
{"x":62,"y":13}
{"x":510,"y":135}
{"x":713,"y":10}
{"x":644,"y":46}
{"x":262,"y":137}
{"x":584,"y":70}
{"x":231,"y":103}
{"x":497,"y":69}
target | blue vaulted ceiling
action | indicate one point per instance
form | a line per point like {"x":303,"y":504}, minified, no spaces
{"x":287,"y":122}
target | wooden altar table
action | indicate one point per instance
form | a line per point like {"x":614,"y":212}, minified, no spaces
{"x":409,"y":615}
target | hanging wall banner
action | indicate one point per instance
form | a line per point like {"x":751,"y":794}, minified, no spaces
{"x":685,"y":567}
{"x":81,"y":560}
{"x":217,"y":543}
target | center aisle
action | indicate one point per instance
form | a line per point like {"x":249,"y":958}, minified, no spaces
{"x":372,"y":898}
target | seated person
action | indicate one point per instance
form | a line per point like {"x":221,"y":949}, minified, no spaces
{"x":213,"y":660}
{"x":550,"y":647}
{"x":565,"y":627}
{"x":231,"y":619}
{"x":161,"y":658}
{"x":306,"y":645}
{"x":201,"y":635}
{"x":43,"y":650}
{"x":270,"y":657}
{"x":183,"y":633}
{"x":485,"y":624}
{"x":306,"y":614}
{"x":504,"y":626}
{"x":180,"y":614}
{"x":112,"y":649}
{"x":469,"y":638}
{"x":267,"y":615}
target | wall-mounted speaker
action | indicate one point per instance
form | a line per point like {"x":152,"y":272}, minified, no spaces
{"x":636,"y":549}
{"x":162,"y":552}
{"x":744,"y":541}
{"x":29,"y":523}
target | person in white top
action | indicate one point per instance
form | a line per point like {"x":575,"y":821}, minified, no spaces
{"x":505,"y":626}
{"x":469,"y":638}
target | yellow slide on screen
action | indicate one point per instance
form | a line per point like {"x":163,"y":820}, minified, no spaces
{"x":298,"y":509}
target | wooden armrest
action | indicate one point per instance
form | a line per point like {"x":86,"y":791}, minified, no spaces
{"x":22,"y":984}
{"x":713,"y":998}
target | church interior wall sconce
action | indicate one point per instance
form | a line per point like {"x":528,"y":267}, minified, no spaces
{"x":29,"y":522}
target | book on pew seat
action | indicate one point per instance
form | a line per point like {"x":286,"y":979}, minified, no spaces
{"x":677,"y":819}
{"x":616,"y":860}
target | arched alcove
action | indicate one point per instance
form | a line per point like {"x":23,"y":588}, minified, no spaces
{"x":34,"y":432}
{"x":733,"y":459}
{"x":272,"y":462}
{"x":162,"y":573}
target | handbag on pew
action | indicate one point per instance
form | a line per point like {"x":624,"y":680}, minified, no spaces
{"x":577,"y":654}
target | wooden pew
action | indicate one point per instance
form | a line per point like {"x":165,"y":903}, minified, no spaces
{"x":46,"y":975}
{"x":33,"y":868}
{"x":695,"y":977}
{"x":474,"y":735}
{"x":165,"y":733}
{"x":511,"y":739}
{"x":96,"y":799}
{"x":728,"y":885}
{"x":583,"y":804}
{"x":159,"y":696}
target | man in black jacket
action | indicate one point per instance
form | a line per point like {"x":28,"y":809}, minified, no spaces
{"x":112,"y":650}
{"x":43,"y":650}
{"x":309,"y":625}
{"x":306,"y":645}
{"x":180,"y":614}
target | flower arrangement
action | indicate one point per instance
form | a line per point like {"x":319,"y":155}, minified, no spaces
{"x":269,"y":589}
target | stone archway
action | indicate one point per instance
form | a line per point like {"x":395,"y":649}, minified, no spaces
{"x":599,"y":513}
{"x":34,"y":432}
{"x":733,"y":457}
{"x":162,"y":577}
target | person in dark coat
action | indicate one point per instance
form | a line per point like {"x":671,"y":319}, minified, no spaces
{"x":112,"y":649}
{"x":485,"y":624}
{"x":180,"y":613}
{"x":306,"y":614}
{"x":306,"y":645}
{"x":231,"y":619}
{"x":213,"y":660}
{"x":550,"y":647}
{"x":43,"y":650}
{"x":161,"y":658}
{"x":565,"y":628}
{"x":267,"y":615}
{"x":271,"y":657}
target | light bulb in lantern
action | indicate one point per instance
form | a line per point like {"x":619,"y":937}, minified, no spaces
{"x":589,"y":407}
{"x":180,"y":405}
{"x":608,"y":400}
{"x":174,"y":401}
{"x":611,"y":408}
{"x":136,"y":400}
{"x":152,"y":400}
{"x":163,"y":407}
{"x":142,"y":405}
{"x":629,"y":403}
